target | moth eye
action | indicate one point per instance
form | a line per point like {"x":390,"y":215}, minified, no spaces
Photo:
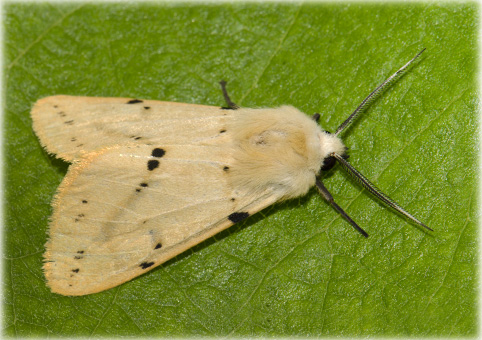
{"x":328,"y":163}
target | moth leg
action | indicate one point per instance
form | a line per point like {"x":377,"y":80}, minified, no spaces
{"x":231,"y":105}
{"x":327,"y":196}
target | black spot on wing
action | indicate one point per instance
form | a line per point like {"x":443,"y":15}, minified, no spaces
{"x":238,"y":216}
{"x":142,"y":185}
{"x":158,"y":246}
{"x":226,"y":168}
{"x":76,"y":270}
{"x":69,"y":122}
{"x":145,"y":265}
{"x":78,"y":257}
{"x":134,"y":101}
{"x":222,"y":131}
{"x":80,"y":252}
{"x":147,"y":107}
{"x":158,"y":152}
{"x":152,"y":164}
{"x":73,"y":139}
{"x":84,"y":201}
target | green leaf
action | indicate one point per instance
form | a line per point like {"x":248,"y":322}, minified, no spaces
{"x":296,"y":268}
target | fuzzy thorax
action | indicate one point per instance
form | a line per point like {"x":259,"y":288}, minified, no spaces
{"x":278,"y":149}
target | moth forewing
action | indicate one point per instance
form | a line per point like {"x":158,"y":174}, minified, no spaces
{"x":68,"y":126}
{"x":110,"y":225}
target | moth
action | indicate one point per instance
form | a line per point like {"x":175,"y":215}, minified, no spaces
{"x":150,"y":179}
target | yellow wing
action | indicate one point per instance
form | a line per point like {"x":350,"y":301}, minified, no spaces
{"x":124,"y":210}
{"x":68,"y":125}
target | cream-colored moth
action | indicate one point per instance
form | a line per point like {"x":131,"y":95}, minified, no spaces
{"x":150,"y":179}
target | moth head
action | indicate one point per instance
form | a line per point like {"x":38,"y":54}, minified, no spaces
{"x":334,"y":150}
{"x":331,"y":144}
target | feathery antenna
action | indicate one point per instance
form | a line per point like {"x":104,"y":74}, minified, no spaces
{"x":374,"y":190}
{"x":375,"y":93}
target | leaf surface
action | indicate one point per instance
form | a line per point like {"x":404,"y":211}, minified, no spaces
{"x":296,"y":268}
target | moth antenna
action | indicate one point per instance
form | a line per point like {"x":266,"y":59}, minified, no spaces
{"x":327,"y":196}
{"x":373,"y":189}
{"x":231,"y":105}
{"x":375,"y":93}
